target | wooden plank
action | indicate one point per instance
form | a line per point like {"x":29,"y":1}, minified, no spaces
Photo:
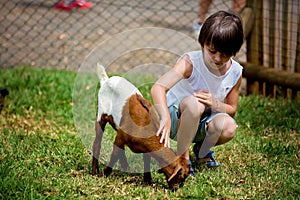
{"x":254,"y":44}
{"x":270,"y":37}
{"x":273,"y":76}
{"x":297,"y":61}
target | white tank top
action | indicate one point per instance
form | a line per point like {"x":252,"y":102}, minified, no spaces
{"x":202,"y":78}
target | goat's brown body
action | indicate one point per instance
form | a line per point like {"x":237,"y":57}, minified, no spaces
{"x":137,"y":130}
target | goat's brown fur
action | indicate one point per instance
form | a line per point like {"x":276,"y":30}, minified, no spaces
{"x":138,"y":127}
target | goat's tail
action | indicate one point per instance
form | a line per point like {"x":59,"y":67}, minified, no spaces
{"x":101,"y":73}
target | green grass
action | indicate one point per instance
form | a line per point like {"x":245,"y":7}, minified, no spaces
{"x":43,"y":157}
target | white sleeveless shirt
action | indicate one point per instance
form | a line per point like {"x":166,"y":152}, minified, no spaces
{"x":202,"y":79}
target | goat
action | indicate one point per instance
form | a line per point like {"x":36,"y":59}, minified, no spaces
{"x":122,"y":106}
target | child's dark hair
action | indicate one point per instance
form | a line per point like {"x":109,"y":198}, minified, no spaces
{"x":223,"y":31}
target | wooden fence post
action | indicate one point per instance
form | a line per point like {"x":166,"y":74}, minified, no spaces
{"x":254,"y":45}
{"x":274,"y":43}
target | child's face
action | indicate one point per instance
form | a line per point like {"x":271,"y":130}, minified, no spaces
{"x":214,"y":59}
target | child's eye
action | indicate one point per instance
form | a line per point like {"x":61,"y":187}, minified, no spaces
{"x":212,"y":51}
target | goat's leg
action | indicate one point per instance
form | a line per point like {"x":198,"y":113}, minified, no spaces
{"x":117,"y":153}
{"x":99,"y":126}
{"x":147,"y":173}
{"x":113,"y":159}
{"x":123,"y":159}
{"x":120,"y":143}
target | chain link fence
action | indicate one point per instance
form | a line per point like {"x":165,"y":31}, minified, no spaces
{"x":34,"y":33}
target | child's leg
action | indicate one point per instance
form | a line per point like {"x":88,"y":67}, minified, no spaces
{"x":220,"y":130}
{"x":204,"y":6}
{"x":190,"y":114}
{"x":238,"y":5}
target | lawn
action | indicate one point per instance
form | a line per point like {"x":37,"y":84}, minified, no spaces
{"x":42,"y":155}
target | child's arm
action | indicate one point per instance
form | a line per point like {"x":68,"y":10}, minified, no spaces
{"x":182,"y":69}
{"x":232,"y":99}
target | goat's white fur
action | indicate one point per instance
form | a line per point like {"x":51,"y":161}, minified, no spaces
{"x":113,"y":94}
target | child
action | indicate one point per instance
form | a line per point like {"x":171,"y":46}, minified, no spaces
{"x":202,"y":87}
{"x":62,"y":5}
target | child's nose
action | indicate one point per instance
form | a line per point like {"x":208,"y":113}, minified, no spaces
{"x":218,"y":57}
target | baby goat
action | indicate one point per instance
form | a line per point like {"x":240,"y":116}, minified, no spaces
{"x":121,"y":104}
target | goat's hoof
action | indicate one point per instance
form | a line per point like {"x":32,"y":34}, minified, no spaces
{"x":150,"y":182}
{"x":95,"y":172}
{"x":107,"y":171}
{"x":148,"y":178}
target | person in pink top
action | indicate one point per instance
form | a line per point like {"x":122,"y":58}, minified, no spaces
{"x":68,"y":6}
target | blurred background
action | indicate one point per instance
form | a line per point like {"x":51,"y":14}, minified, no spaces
{"x":33,"y":33}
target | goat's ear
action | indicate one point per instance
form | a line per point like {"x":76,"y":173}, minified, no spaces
{"x":146,"y":104}
{"x":176,"y":170}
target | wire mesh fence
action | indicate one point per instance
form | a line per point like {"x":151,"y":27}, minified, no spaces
{"x":275,"y":44}
{"x":34,"y":33}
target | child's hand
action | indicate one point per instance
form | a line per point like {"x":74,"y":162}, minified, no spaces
{"x":205,"y":97}
{"x":164,"y":130}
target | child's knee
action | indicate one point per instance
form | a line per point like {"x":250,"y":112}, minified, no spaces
{"x":191,"y":106}
{"x":229,"y":131}
{"x":224,"y":127}
{"x":229,"y":128}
